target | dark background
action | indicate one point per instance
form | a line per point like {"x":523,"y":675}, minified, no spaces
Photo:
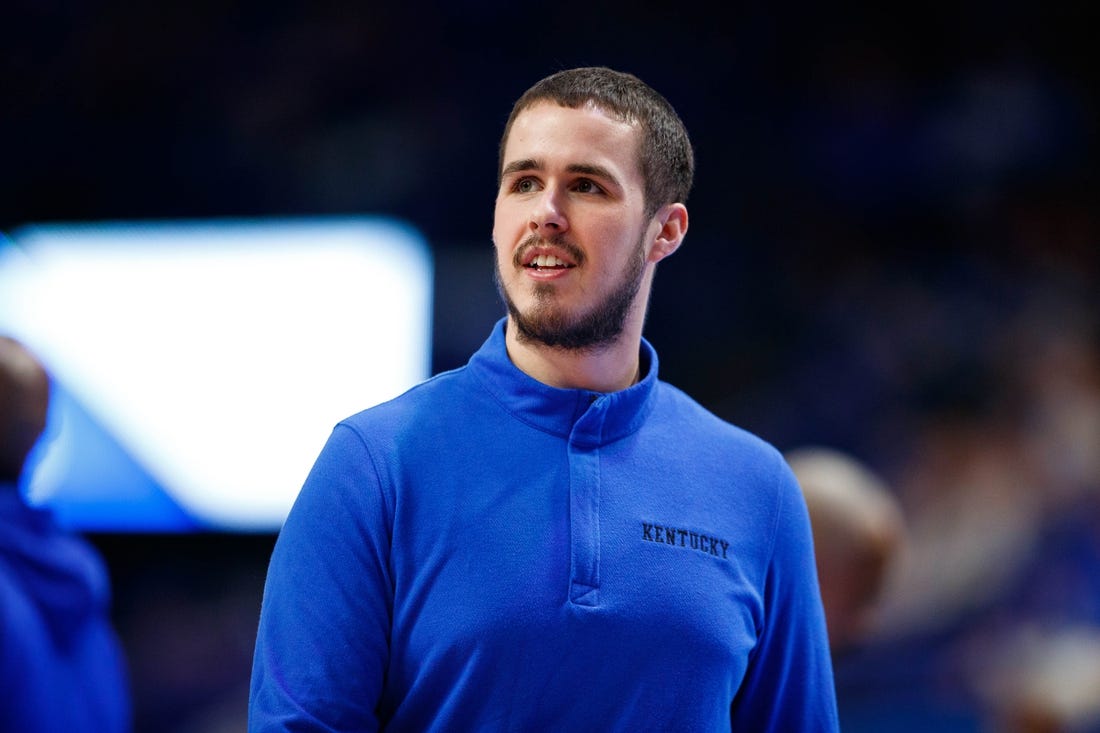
{"x":894,"y":212}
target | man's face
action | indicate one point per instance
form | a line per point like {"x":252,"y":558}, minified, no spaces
{"x":570,"y":230}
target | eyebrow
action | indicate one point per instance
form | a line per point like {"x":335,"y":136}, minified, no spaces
{"x":587,"y":169}
{"x":527,"y":164}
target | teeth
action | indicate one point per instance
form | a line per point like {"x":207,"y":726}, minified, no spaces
{"x":548,"y":261}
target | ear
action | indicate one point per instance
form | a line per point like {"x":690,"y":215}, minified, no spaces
{"x":673,"y":221}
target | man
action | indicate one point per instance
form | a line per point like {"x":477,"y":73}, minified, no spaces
{"x":549,"y":538}
{"x":61,"y":666}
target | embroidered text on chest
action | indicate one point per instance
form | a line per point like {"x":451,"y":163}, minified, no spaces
{"x":686,"y":538}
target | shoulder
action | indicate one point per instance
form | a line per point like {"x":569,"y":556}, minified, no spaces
{"x":428,"y":400}
{"x":423,"y":418}
{"x":753,"y":470}
{"x":677,"y":411}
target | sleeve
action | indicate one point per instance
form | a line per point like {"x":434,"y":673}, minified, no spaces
{"x":789,"y":686}
{"x":322,"y":646}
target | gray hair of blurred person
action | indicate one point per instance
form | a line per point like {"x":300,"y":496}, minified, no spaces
{"x":858,"y":530}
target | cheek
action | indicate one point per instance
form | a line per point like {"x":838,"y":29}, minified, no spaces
{"x":621,"y":249}
{"x":504,"y":262}
{"x":505,"y":240}
{"x":508,"y":218}
{"x":503,"y":252}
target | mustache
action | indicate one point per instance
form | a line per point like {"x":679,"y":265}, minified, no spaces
{"x":558,"y":240}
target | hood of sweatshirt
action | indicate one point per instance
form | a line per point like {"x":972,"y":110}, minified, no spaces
{"x":62,"y":575}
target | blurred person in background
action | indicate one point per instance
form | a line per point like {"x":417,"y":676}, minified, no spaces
{"x":1042,"y":680}
{"x":858,"y":533}
{"x":61,"y":665}
{"x":990,"y":619}
{"x":550,"y":538}
{"x":1036,"y":669}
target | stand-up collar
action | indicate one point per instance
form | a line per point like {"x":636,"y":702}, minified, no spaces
{"x":593,"y":418}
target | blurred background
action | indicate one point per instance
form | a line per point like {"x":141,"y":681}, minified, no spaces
{"x":894,"y":252}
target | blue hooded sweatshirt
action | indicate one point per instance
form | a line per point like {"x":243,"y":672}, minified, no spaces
{"x":61,"y":665}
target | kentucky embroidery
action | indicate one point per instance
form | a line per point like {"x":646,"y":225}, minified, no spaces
{"x":685,"y":538}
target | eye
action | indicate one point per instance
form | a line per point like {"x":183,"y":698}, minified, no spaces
{"x":586,"y":185}
{"x":525,"y":185}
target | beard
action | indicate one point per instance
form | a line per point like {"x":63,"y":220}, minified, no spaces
{"x":549,"y":323}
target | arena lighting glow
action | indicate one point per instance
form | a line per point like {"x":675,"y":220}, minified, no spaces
{"x":198,"y":367}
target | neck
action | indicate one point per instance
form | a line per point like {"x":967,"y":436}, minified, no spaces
{"x":607,"y":369}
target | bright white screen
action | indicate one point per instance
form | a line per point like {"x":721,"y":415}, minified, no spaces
{"x":218,"y":354}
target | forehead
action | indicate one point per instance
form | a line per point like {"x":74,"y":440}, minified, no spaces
{"x":552,"y":133}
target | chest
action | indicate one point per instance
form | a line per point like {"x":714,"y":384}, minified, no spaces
{"x":614,"y":548}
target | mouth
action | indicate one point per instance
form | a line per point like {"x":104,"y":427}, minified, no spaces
{"x":548,"y":257}
{"x":548,"y":262}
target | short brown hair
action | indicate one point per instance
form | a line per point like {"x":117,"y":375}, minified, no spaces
{"x":665,"y":155}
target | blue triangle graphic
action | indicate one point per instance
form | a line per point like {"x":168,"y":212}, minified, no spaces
{"x":90,"y":482}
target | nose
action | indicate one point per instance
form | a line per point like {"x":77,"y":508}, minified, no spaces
{"x":547,"y":214}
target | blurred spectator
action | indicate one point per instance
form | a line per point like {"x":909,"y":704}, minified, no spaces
{"x":990,"y":619}
{"x":61,"y":665}
{"x":858,"y":532}
{"x":1036,"y":666}
{"x":1044,"y":682}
